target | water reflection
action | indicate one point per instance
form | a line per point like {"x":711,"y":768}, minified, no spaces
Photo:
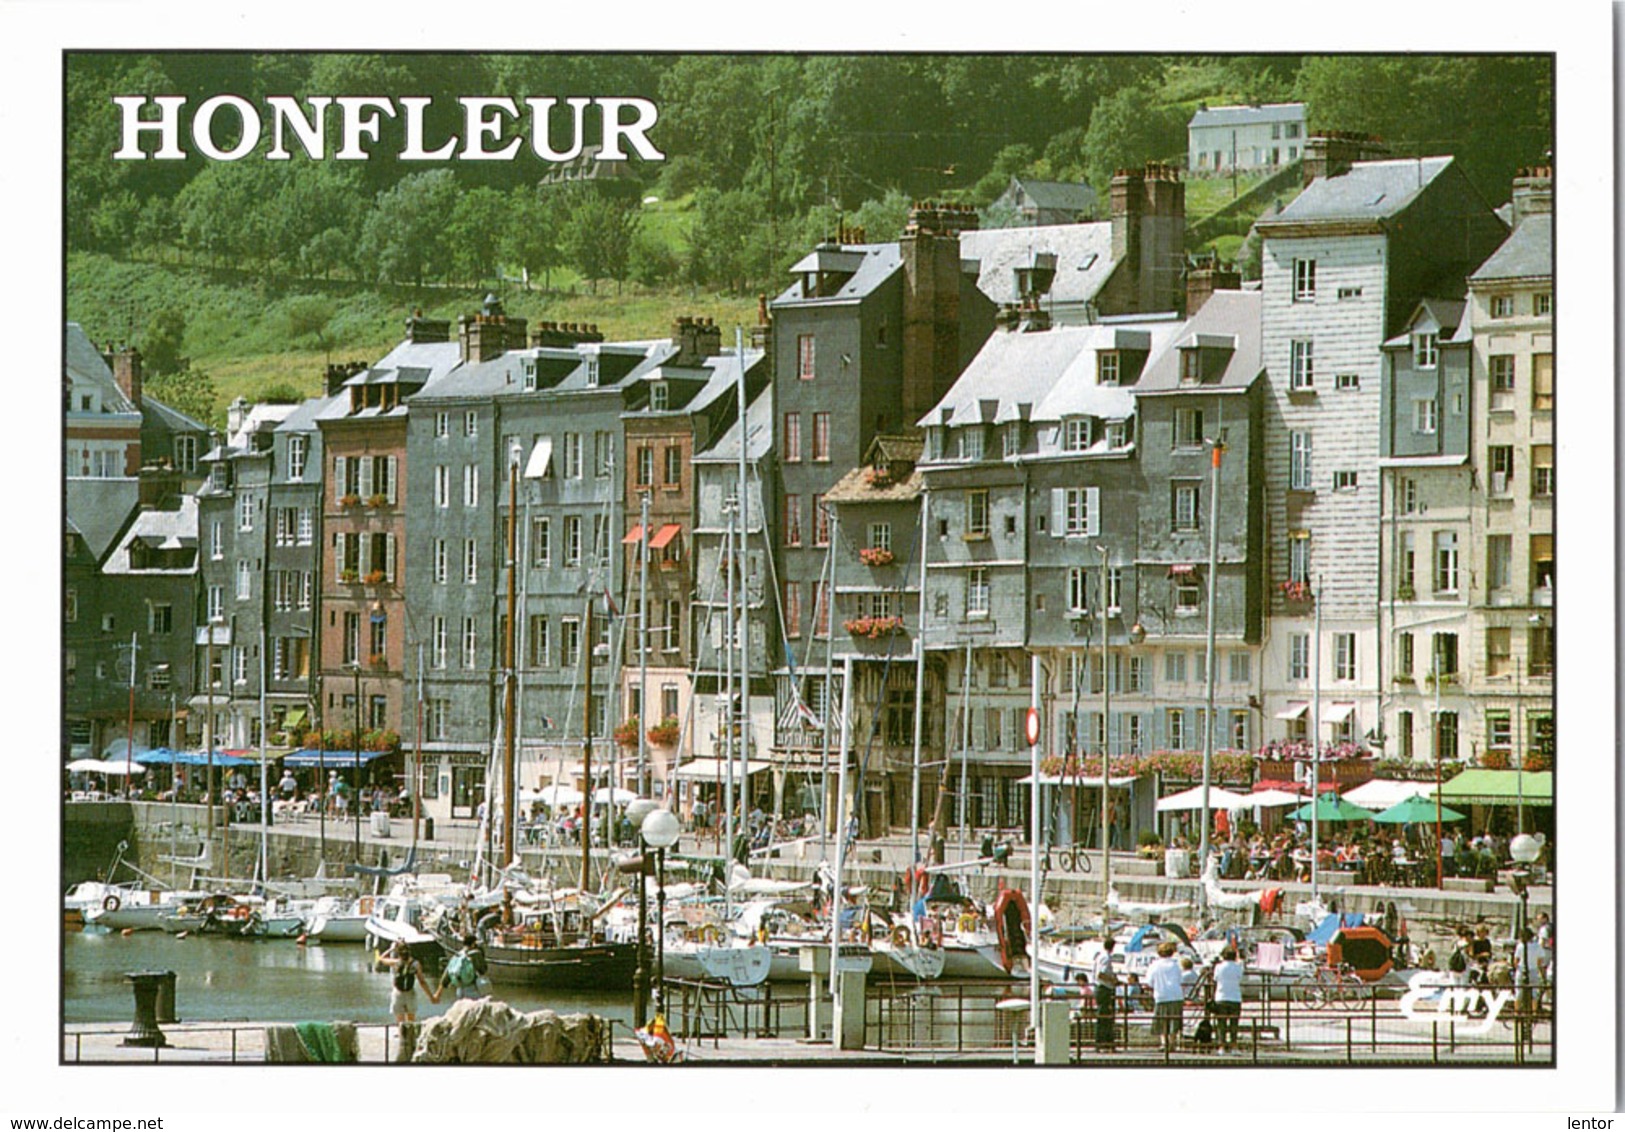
{"x":260,"y":980}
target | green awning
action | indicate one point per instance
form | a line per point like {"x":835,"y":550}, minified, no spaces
{"x":1498,"y":788}
{"x":294,"y":718}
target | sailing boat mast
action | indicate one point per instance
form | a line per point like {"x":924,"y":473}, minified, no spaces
{"x":919,"y":692}
{"x":510,"y":808}
{"x":727,"y":715}
{"x":744,"y":590}
{"x":1207,"y":729}
{"x":1314,"y":767}
{"x":587,"y":637}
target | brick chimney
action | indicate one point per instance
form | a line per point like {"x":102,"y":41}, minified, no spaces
{"x":1148,"y":238}
{"x":490,"y":333}
{"x":931,"y":270}
{"x":1331,"y":153}
{"x":564,"y":335}
{"x":420,"y":329}
{"x":339,"y":373}
{"x":1531,"y":193}
{"x":1206,"y":277}
{"x":126,"y":365}
{"x":696,"y":339}
{"x":236,"y":412}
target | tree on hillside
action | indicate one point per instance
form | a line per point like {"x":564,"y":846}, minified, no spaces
{"x":529,"y":235}
{"x":474,"y":233}
{"x":404,"y":237}
{"x":161,"y":342}
{"x":1494,"y":113}
{"x":190,"y":391}
{"x":728,"y":243}
{"x":308,"y":317}
{"x":1129,"y":128}
{"x":597,"y":233}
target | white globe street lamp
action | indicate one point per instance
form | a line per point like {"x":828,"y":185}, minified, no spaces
{"x":660,"y":831}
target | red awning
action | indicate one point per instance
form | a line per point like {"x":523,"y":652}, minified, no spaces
{"x":636,"y":535}
{"x":1181,"y":568}
{"x":664,"y":536}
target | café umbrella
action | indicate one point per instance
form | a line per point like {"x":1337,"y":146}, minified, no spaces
{"x":1417,"y":810}
{"x":97,"y":766}
{"x":1329,"y":807}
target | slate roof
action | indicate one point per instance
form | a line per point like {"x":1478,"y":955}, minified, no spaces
{"x":1249,"y":115}
{"x":304,"y":415}
{"x":720,"y":373}
{"x":870,"y":264}
{"x":759,"y":419}
{"x":85,"y":363}
{"x":505,"y":375}
{"x":175,"y":529}
{"x":154,"y":411}
{"x":1370,"y":191}
{"x":1043,"y":375}
{"x":1073,"y":196}
{"x":99,"y":508}
{"x":1234,"y":315}
{"x":1526,"y":254}
{"x":854,"y":487}
{"x":1083,"y":259}
{"x":409,"y":363}
{"x":1446,"y":314}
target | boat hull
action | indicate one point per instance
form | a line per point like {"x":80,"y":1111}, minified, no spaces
{"x":338,"y":929}
{"x":745,"y":966}
{"x":595,"y":966}
{"x":907,"y":961}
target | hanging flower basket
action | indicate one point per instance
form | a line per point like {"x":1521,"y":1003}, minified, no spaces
{"x":1495,"y":760}
{"x":375,"y":578}
{"x":378,"y":499}
{"x":878,"y":476}
{"x":348,"y":576}
{"x":664,"y":733}
{"x":349,"y":500}
{"x":626,"y":734}
{"x":1296,"y":591}
{"x":379,"y":661}
{"x":876,"y":556}
{"x":873,"y":627}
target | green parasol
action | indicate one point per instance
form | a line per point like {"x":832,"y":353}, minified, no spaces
{"x":1329,"y":807}
{"x":1417,"y":810}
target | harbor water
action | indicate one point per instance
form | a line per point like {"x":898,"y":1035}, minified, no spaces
{"x":221,"y":980}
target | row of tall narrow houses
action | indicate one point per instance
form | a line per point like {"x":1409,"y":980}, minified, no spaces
{"x":981,"y":457}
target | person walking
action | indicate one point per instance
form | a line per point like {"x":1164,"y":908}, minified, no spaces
{"x":1167,"y":995}
{"x":464,"y":969}
{"x":405,"y":974}
{"x":1104,"y":975}
{"x":1226,"y":1006}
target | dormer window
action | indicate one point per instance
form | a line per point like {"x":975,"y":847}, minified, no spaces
{"x":659,"y":396}
{"x":1190,"y":364}
{"x":1116,"y":434}
{"x":970,"y":443}
{"x":592,"y":371}
{"x":1012,"y":439}
{"x":1108,"y":367}
{"x":1078,"y":434}
{"x":1426,"y":350}
{"x":528,"y":366}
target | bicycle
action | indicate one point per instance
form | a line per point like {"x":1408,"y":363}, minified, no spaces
{"x":1073,"y":859}
{"x":1331,"y":986}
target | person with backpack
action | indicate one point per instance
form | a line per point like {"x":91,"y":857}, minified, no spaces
{"x":463,"y":970}
{"x":1105,"y":980}
{"x":405,"y":974}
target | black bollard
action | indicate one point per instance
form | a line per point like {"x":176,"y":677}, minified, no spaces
{"x":166,"y":998}
{"x":145,"y":1031}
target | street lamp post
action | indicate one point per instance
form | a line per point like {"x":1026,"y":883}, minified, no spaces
{"x":637,"y":810}
{"x":660,"y":831}
{"x":355,"y":757}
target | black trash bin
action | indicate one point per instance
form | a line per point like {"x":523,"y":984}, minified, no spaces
{"x":165,"y":1006}
{"x":428,"y":829}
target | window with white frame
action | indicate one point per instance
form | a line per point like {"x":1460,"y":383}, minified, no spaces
{"x":1345,"y":481}
{"x":880,"y":536}
{"x":471,"y":423}
{"x":1501,"y":306}
{"x":1108,"y":367}
{"x":1012,"y":439}
{"x":1302,"y":469}
{"x":820,"y":437}
{"x":438,"y":562}
{"x":245,"y":513}
{"x":645,"y":466}
{"x":1114,"y":588}
{"x":298,"y":450}
{"x":792,"y":438}
{"x":1503,"y":373}
{"x":1425,"y":350}
{"x":1446,"y":562}
{"x":471,"y":485}
{"x":471,"y":561}
{"x":1297,"y":667}
{"x":1241,"y":667}
{"x":591,"y":362}
{"x":1343,"y":656}
{"x":541,"y":541}
{"x":1116,"y":434}
{"x":245,"y":579}
{"x":805,"y":357}
{"x":239,"y":664}
{"x":1544,"y":473}
{"x":217,"y":541}
{"x":1303,"y":364}
{"x":1303,"y":280}
{"x":1187,"y":594}
{"x":1501,"y":468}
{"x":1176,"y":729}
{"x":572,"y":455}
{"x":442,"y":486}
{"x":977,"y":596}
{"x":1426,"y":415}
{"x":437,"y":642}
{"x":1187,"y":428}
{"x":978,"y":518}
{"x":1297,"y":557}
{"x":603,"y":452}
{"x":570,"y":641}
{"x":1173,"y":667}
{"x":1186,"y":500}
{"x":471,"y":642}
{"x":1078,"y":434}
{"x":572,"y":540}
{"x":1080,"y":515}
{"x":307,"y":589}
{"x":1077,"y":590}
{"x":1406,"y":490}
{"x":1348,"y":381}
{"x":539,"y":641}
{"x":658,"y":397}
{"x":442,"y":425}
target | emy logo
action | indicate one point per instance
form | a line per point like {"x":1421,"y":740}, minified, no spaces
{"x":1433,"y":992}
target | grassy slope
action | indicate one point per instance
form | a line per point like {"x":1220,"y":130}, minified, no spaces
{"x":237,"y":328}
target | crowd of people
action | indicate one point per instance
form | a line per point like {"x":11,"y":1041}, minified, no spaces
{"x":1374,"y":856}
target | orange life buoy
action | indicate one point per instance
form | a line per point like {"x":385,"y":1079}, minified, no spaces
{"x":1010,"y":898}
{"x":899,"y":936}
